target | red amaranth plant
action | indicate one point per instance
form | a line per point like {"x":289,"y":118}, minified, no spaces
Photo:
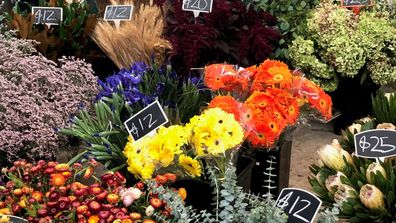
{"x":37,"y":96}
{"x":230,"y":33}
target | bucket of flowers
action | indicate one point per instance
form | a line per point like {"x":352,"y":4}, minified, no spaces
{"x":268,"y":100}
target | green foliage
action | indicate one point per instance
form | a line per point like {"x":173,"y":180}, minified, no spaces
{"x":340,"y":45}
{"x":384,"y":108}
{"x":233,"y":205}
{"x":329,"y":215}
{"x":291,"y":16}
{"x":103,"y":132}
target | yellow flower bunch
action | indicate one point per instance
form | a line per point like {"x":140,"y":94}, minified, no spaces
{"x":211,"y":133}
{"x":214,"y":132}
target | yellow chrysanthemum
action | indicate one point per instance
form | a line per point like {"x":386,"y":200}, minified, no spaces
{"x":233,"y":136}
{"x":166,"y":156}
{"x":174,"y":136}
{"x":190,"y":165}
{"x":138,"y":159}
{"x":141,"y":168}
{"x":216,"y":132}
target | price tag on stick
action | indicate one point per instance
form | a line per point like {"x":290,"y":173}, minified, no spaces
{"x":300,"y":205}
{"x":146,"y":121}
{"x":118,"y":13}
{"x":375,"y":143}
{"x":197,"y":6}
{"x":47,"y":15}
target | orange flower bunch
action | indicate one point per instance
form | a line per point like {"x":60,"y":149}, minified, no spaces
{"x":269,"y":98}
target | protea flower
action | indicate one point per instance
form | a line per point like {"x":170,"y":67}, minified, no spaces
{"x":333,"y":157}
{"x":333,"y":181}
{"x":355,"y":128}
{"x":389,"y":126}
{"x":374,"y":168}
{"x":343,"y":193}
{"x":372,"y":197}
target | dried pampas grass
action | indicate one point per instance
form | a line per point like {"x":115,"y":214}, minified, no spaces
{"x":136,"y":40}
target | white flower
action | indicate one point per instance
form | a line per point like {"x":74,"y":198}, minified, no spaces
{"x":135,"y":193}
{"x":149,"y":210}
{"x":355,"y":128}
{"x":372,"y":197}
{"x":333,"y":157}
{"x":366,"y":119}
{"x":374,"y":168}
{"x":336,"y":144}
{"x":343,"y":193}
{"x":127,"y":200}
{"x":389,"y":126}
{"x":389,"y":95}
{"x":333,"y":181}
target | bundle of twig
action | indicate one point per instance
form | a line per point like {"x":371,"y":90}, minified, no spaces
{"x":136,"y":40}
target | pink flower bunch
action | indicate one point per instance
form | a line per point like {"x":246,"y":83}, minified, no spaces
{"x":38,"y":96}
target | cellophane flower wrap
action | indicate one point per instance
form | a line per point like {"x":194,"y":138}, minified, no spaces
{"x":265,"y":99}
{"x":207,"y":138}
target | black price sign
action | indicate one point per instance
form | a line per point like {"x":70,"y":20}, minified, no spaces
{"x":300,"y":205}
{"x":376,"y":143}
{"x":355,"y":3}
{"x":47,"y":15}
{"x":118,"y":12}
{"x":145,"y":121}
{"x":198,"y":5}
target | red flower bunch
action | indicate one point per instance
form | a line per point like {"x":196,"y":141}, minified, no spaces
{"x":48,"y":192}
{"x":269,"y":98}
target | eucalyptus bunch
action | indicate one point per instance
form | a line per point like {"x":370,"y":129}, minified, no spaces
{"x":340,"y":44}
{"x":122,"y":95}
{"x":231,"y":203}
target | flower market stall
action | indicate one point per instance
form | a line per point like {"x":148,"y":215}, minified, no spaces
{"x":148,"y":111}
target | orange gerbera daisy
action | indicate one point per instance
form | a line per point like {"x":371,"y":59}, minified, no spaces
{"x":323,"y":104}
{"x":258,"y":138}
{"x":259,"y":100}
{"x":231,"y":82}
{"x":213,"y":74}
{"x":293,"y":111}
{"x":280,"y":77}
{"x":227,"y":104}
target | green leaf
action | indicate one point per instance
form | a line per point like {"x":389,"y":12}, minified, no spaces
{"x":284,"y":26}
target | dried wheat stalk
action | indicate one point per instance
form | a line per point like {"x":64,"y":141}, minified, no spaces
{"x":135,"y":40}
